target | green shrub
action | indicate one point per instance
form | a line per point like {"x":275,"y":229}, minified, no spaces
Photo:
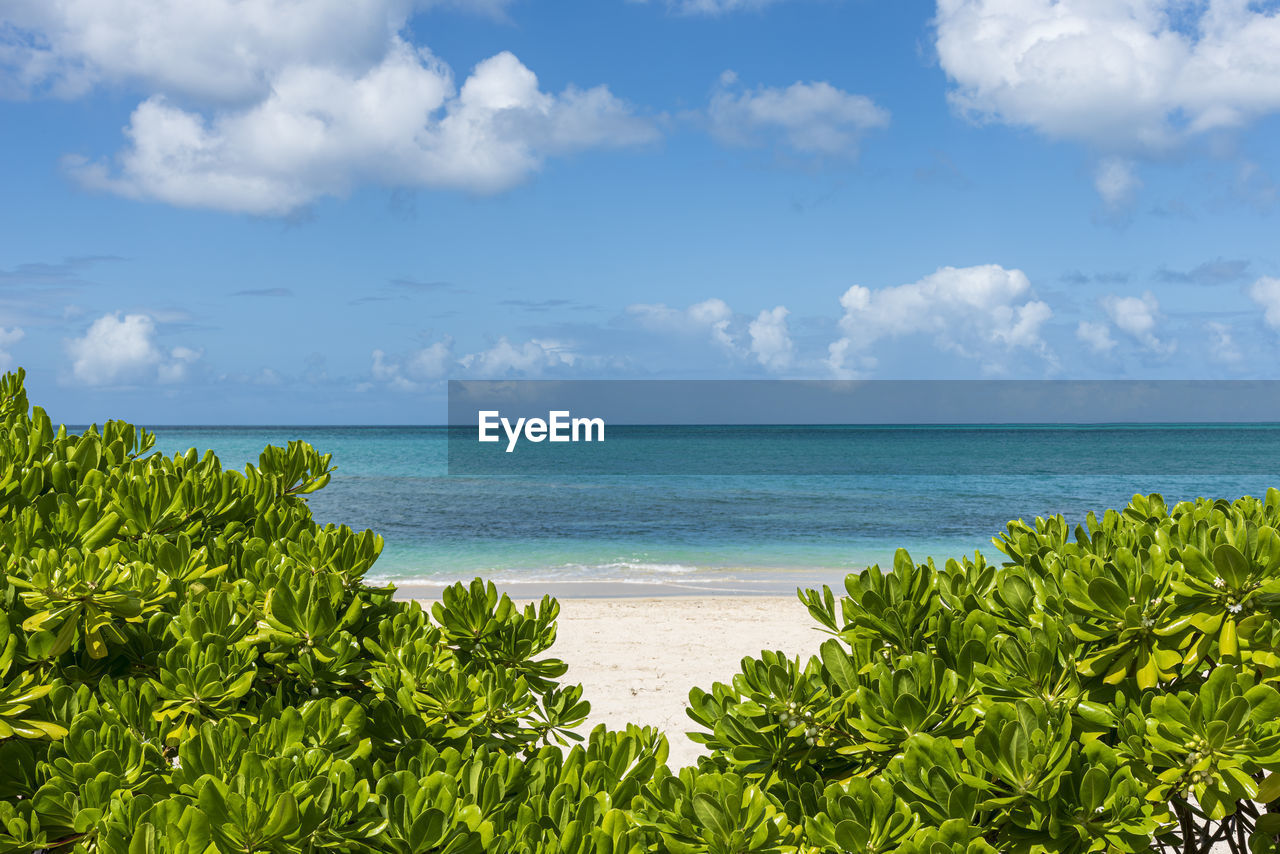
{"x":1107,"y":688}
{"x":190,"y":664}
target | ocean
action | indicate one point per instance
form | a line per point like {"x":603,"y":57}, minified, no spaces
{"x":633,"y":534}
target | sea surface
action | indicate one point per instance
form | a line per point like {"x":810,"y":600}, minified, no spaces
{"x":719,"y":533}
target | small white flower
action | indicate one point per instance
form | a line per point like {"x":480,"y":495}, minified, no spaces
{"x":1147,"y":622}
{"x":176,"y":762}
{"x":1236,"y":608}
{"x":1219,"y":583}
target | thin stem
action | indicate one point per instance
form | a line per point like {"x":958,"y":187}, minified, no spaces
{"x":1184,"y":820}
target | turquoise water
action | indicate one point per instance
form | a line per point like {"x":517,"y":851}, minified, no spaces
{"x":713,"y":532}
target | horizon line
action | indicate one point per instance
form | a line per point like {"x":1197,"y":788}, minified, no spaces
{"x":877,"y":424}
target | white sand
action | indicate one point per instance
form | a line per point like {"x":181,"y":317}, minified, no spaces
{"x":637,"y":658}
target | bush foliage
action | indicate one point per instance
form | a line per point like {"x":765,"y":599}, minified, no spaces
{"x":1107,"y":688}
{"x":189,"y":663}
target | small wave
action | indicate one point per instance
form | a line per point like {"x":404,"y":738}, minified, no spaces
{"x":609,"y":587}
{"x":639,"y":566}
{"x":615,"y":572}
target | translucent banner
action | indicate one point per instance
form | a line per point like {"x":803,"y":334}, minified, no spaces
{"x":782,"y":427}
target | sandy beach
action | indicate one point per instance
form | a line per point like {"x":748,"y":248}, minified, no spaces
{"x":637,"y":658}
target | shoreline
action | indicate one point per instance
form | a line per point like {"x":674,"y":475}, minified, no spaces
{"x":771,"y":587}
{"x":564,"y":591}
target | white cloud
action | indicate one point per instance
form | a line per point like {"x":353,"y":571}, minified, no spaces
{"x":1123,"y":74}
{"x":711,"y":316}
{"x":389,"y":372}
{"x":262,"y":106}
{"x":174,"y":369}
{"x":323,"y":130}
{"x":1222,"y":345}
{"x":1266,"y":293}
{"x":8,"y":337}
{"x":977,"y":312}
{"x":1096,"y":335}
{"x":1115,"y":181}
{"x":418,"y":368}
{"x":531,"y":358}
{"x":712,"y":7}
{"x":766,"y":338}
{"x":1138,"y":317}
{"x":215,"y":50}
{"x":771,"y":340}
{"x":431,"y":362}
{"x":810,"y":118}
{"x":117,"y":350}
{"x":268,"y":377}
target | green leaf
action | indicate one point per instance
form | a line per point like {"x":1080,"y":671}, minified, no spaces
{"x":1231,"y":565}
{"x":1108,"y":595}
{"x":839,"y":665}
{"x":1094,"y":788}
{"x":1269,"y":789}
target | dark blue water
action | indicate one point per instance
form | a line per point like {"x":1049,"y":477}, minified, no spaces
{"x":715,"y":531}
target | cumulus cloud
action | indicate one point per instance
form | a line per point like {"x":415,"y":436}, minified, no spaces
{"x":711,"y":316}
{"x":1222,"y":345}
{"x":982,"y":313}
{"x":323,"y":130}
{"x":213,"y":50}
{"x":764,"y":339}
{"x":1128,"y":77}
{"x":388,"y":372}
{"x":771,"y":340}
{"x":8,"y":337}
{"x":1096,"y":335}
{"x":1130,"y":73}
{"x":1266,"y":293}
{"x":1115,"y":181}
{"x":118,"y":349}
{"x":531,"y":358}
{"x":712,"y":7}
{"x":431,"y":362}
{"x":418,"y":368}
{"x":808,"y":118}
{"x":262,"y":106}
{"x":1138,"y":317}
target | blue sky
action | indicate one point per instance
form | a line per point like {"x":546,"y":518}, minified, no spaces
{"x":265,"y":211}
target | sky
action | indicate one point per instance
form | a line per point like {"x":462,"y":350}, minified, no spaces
{"x":287,"y":212}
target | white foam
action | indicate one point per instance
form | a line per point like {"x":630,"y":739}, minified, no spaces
{"x":616,"y":572}
{"x":662,"y":568}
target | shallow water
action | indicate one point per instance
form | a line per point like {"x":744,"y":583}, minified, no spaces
{"x":695,"y":532}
